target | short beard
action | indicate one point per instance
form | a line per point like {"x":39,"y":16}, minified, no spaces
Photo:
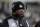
{"x":19,"y":16}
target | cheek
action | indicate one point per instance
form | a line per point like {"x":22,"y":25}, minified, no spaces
{"x":19,"y":11}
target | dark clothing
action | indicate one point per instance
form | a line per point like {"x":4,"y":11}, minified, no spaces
{"x":38,"y":24}
{"x":0,"y":24}
{"x":20,"y":21}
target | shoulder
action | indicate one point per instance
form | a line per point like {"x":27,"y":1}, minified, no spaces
{"x":9,"y":17}
{"x":5,"y":20}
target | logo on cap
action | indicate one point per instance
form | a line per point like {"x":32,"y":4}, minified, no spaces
{"x":20,"y":6}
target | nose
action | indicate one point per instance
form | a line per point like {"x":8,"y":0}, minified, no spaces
{"x":22,"y":10}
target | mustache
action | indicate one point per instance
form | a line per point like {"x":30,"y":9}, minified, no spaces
{"x":22,"y":12}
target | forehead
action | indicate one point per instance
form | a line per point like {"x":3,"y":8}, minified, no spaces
{"x":20,"y":9}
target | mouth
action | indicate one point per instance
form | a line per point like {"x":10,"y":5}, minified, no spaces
{"x":22,"y":13}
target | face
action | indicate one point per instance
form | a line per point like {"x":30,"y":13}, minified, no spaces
{"x":20,"y":11}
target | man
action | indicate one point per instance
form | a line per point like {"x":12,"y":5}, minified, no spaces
{"x":16,"y":20}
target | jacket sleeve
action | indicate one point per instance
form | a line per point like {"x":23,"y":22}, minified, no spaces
{"x":5,"y":23}
{"x":0,"y":24}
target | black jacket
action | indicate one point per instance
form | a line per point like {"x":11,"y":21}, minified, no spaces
{"x":23,"y":22}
